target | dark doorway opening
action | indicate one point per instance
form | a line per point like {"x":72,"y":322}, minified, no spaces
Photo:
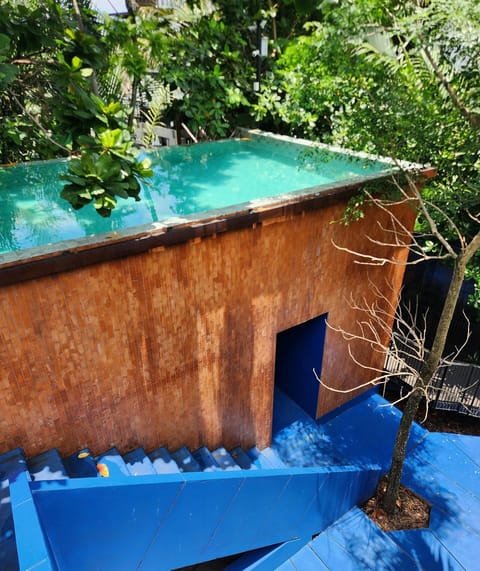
{"x":300,"y":350}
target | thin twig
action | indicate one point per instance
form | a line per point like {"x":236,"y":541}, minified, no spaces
{"x":38,"y":124}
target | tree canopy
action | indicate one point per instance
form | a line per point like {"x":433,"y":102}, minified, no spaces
{"x":398,"y":79}
{"x":367,"y":74}
{"x":54,"y":101}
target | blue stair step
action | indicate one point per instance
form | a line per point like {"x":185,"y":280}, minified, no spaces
{"x":138,"y":463}
{"x":206,"y":460}
{"x":81,"y":464}
{"x":224,"y":459}
{"x":185,"y":461}
{"x":47,"y":466}
{"x":12,"y":463}
{"x":243,"y":459}
{"x":110,"y":464}
{"x":467,"y":444}
{"x":267,"y":459}
{"x":163,"y":462}
{"x":357,"y":535}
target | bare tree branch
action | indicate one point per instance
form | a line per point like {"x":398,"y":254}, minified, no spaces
{"x":472,"y":118}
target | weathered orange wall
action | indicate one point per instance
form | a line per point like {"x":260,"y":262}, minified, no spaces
{"x":177,"y":345}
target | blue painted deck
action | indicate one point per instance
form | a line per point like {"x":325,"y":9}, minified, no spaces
{"x":443,"y":468}
{"x":265,"y":504}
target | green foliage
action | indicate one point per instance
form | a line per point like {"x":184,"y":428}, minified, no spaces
{"x":104,"y":173}
{"x":8,"y":72}
{"x":473,"y":273}
{"x":161,"y":99}
{"x":49,"y":66}
{"x":108,"y":166}
{"x":355,"y":209}
{"x":378,"y":76}
{"x":211,"y":64}
{"x":129,"y":46}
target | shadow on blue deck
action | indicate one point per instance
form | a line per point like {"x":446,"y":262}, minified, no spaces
{"x":361,"y":433}
{"x":350,"y":436}
{"x":441,"y":467}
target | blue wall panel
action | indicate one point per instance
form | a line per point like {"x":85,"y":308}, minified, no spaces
{"x":100,"y":526}
{"x":267,"y":558}
{"x":299,"y":351}
{"x":336,"y":490}
{"x":254,"y":501}
{"x":193,"y":522}
{"x":301,"y":496}
{"x":169,"y":521}
{"x":32,"y":548}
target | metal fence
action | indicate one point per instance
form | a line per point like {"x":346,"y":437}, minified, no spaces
{"x":454,"y":387}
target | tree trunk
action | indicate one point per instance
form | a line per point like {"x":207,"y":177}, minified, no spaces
{"x":81,"y":27}
{"x":133,"y":102}
{"x":426,"y":375}
{"x":132,"y":8}
{"x":389,"y":502}
{"x":274,"y":22}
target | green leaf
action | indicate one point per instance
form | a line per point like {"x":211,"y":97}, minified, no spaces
{"x":76,"y":63}
{"x":74,"y":178}
{"x":120,"y":190}
{"x":112,"y":108}
{"x":4,"y":45}
{"x":110,"y":138}
{"x":86,"y":140}
{"x":75,"y":167}
{"x":8,"y":73}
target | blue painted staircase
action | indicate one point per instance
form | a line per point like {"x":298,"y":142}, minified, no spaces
{"x":165,"y":510}
{"x":291,"y":506}
{"x":111,"y":464}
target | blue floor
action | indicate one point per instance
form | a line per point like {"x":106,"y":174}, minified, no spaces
{"x":443,"y":468}
{"x":362,"y":434}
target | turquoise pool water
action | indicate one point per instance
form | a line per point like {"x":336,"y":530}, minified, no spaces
{"x":187,"y":180}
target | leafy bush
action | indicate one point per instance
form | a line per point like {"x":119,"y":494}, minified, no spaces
{"x":107,"y":167}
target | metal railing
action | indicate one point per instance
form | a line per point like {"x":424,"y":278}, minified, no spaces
{"x":454,"y":387}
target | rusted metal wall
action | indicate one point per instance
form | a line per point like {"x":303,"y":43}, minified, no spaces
{"x":177,"y":345}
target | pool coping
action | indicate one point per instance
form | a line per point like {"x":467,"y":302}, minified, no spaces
{"x":80,"y":252}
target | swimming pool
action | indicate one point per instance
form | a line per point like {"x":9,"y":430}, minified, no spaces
{"x":187,"y":181}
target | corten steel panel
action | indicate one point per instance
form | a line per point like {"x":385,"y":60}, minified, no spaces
{"x":176,"y":345}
